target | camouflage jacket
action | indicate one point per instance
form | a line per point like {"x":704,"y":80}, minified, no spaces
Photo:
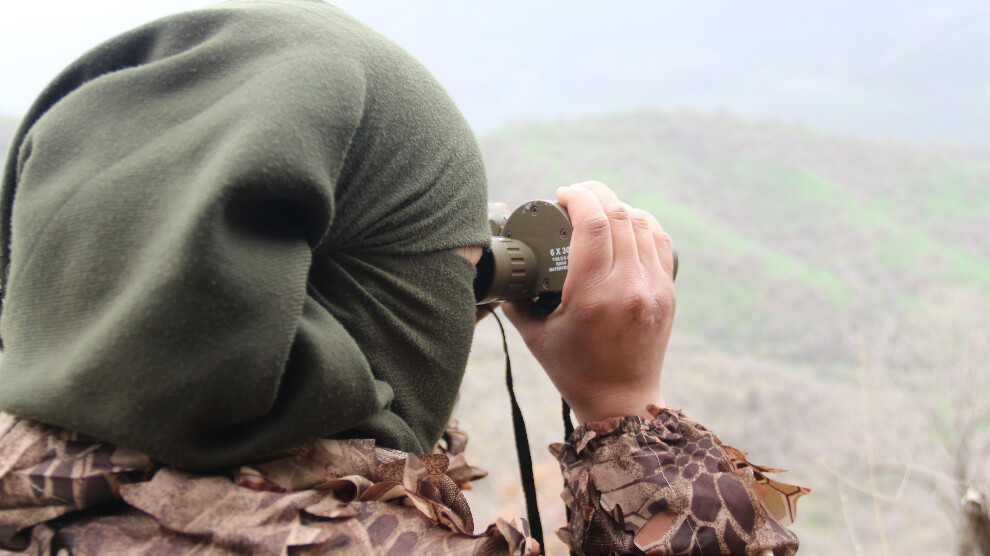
{"x":660,"y":486}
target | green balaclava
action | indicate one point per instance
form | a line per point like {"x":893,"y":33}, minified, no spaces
{"x":230,"y":230}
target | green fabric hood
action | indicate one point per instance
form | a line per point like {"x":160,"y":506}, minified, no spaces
{"x":229,"y":231}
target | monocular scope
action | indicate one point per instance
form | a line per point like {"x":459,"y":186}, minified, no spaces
{"x":528,"y":257}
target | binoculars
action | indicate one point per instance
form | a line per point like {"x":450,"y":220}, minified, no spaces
{"x":529,"y":256}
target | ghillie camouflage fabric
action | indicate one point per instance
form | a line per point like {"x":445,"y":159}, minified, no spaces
{"x":669,"y":486}
{"x":62,"y":491}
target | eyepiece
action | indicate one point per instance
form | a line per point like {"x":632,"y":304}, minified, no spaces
{"x":506,"y":270}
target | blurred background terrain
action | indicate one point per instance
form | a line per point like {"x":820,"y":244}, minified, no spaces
{"x":824,"y":171}
{"x":832,"y":302}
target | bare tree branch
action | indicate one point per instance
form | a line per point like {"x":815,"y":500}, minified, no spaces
{"x":974,"y":506}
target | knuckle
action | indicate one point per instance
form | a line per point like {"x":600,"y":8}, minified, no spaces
{"x":636,"y":304}
{"x":643,"y":310}
{"x":619,"y":213}
{"x":648,"y":300}
{"x":596,"y":224}
{"x":666,"y":300}
{"x":640,"y":219}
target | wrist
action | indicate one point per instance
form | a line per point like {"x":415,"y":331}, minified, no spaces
{"x":626,"y":403}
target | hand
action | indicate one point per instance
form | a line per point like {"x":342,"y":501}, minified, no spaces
{"x":604,"y":346}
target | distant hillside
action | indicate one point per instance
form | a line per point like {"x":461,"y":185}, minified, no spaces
{"x":790,"y":240}
{"x":831,"y":306}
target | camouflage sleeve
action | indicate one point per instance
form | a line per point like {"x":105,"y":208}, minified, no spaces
{"x":66,"y":493}
{"x":667,"y":485}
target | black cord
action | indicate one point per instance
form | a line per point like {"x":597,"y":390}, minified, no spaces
{"x":522,"y":447}
{"x":568,"y":425}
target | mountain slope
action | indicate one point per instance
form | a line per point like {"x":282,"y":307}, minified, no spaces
{"x":788,"y":238}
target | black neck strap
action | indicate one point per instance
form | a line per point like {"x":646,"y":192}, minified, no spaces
{"x":522,"y":448}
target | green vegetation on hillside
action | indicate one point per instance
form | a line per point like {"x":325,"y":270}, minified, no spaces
{"x":832,"y":302}
{"x":774,"y":223}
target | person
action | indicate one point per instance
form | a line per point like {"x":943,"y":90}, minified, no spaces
{"x":237,"y":276}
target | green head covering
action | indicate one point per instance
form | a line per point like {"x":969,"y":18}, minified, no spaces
{"x":229,"y":231}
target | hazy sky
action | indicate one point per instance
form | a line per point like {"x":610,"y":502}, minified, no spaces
{"x":912,"y":69}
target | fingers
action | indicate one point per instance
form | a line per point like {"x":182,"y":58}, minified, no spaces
{"x":592,"y":237}
{"x":647,"y":249}
{"x":602,"y":223}
{"x":653,"y":243}
{"x":619,"y":221}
